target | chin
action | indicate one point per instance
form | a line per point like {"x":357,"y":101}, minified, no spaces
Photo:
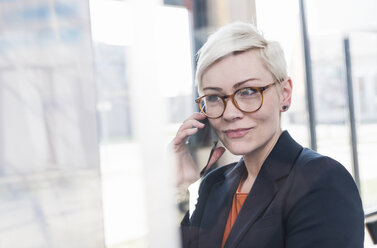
{"x":240,"y":152}
{"x":239,"y":148}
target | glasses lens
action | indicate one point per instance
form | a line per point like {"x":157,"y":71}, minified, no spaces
{"x":212,"y":105}
{"x":248,"y":99}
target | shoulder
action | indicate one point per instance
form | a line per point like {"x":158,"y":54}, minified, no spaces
{"x":314,"y":172}
{"x":324,"y":181}
{"x":313,"y":166}
{"x":323,"y":175}
{"x":216,"y":175}
{"x":323,"y":200}
{"x":201,"y":196}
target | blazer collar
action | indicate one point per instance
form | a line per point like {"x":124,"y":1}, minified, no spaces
{"x":275,"y":168}
{"x":279,"y":162}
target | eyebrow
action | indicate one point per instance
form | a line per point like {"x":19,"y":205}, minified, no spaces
{"x":235,"y":86}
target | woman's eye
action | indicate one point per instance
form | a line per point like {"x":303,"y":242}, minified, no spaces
{"x":212,"y":98}
{"x":247,"y":92}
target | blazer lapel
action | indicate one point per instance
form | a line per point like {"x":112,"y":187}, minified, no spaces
{"x":260,"y":196}
{"x":218,"y":206}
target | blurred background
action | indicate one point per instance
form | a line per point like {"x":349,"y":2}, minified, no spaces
{"x":92,"y":92}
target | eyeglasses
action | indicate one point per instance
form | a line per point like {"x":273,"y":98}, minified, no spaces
{"x":248,"y":100}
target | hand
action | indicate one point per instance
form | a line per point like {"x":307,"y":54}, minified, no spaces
{"x":187,"y":170}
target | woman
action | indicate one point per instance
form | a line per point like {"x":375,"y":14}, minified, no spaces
{"x":279,"y":194}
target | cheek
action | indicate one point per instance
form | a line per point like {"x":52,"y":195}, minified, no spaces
{"x":269,"y":110}
{"x":272,"y":116}
{"x":267,"y":118}
{"x":215,"y":124}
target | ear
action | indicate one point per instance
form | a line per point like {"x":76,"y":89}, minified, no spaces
{"x":286,"y":94}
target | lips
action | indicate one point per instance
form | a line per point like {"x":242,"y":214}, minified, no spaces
{"x":237,"y":133}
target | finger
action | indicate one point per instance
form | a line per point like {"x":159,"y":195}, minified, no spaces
{"x":181,"y":136}
{"x":191,"y":124}
{"x":193,"y":121}
{"x":197,"y":116}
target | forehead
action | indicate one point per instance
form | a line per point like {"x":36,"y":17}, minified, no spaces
{"x":236,"y":68}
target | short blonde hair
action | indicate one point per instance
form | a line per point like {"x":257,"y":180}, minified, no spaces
{"x":236,"y":38}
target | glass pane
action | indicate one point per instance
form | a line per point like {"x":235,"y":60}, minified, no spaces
{"x":49,"y":167}
{"x":330,"y":88}
{"x":330,"y":95}
{"x":327,"y":36}
{"x":364,"y":69}
{"x":143,"y":69}
{"x":288,"y":34}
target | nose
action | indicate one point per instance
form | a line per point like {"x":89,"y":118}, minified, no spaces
{"x":231,"y":112}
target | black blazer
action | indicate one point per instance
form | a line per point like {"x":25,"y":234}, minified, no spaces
{"x":299,"y":199}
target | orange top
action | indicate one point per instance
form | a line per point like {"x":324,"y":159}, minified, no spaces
{"x":238,"y":200}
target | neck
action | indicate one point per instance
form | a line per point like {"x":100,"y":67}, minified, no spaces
{"x":254,"y":160}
